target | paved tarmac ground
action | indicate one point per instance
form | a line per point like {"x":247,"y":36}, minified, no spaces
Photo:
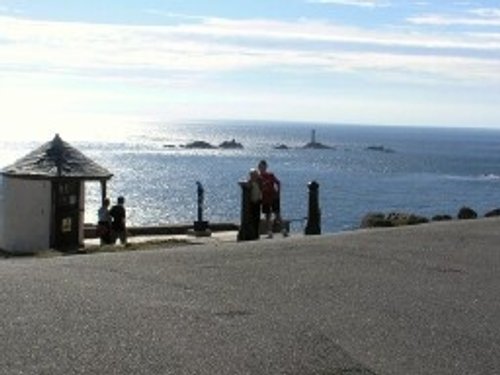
{"x":415,"y":300}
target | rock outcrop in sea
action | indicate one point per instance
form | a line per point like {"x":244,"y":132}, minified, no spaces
{"x":317,"y":146}
{"x":232,"y":144}
{"x":208,"y":146}
{"x":380,"y":149}
{"x":281,"y":146}
{"x":313,"y":144}
{"x":199,"y":144}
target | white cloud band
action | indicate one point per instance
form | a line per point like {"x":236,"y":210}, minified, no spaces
{"x":216,"y":45}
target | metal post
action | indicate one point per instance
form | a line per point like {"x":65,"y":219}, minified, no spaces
{"x":201,"y":226}
{"x":246,"y":231}
{"x":201,"y":193}
{"x":314,"y":214}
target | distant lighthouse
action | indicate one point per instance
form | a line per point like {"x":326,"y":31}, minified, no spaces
{"x":314,"y":144}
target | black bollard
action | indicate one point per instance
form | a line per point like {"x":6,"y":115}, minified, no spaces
{"x":201,"y":198}
{"x":314,"y":214}
{"x":201,"y":226}
{"x":246,"y":231}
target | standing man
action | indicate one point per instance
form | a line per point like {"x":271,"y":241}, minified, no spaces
{"x":104,"y":223}
{"x":118,"y":213}
{"x":270,"y":187}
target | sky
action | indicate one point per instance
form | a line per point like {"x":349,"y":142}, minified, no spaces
{"x":85,"y":66}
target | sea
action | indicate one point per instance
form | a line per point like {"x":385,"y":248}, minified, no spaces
{"x":422,"y":170}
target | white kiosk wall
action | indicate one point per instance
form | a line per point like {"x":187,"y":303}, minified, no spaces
{"x":26,"y":215}
{"x":1,"y":213}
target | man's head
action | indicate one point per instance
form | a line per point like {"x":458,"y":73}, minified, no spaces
{"x":262,"y":166}
{"x":121,"y":200}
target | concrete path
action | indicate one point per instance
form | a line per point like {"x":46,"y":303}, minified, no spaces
{"x":416,"y":300}
{"x":215,"y":237}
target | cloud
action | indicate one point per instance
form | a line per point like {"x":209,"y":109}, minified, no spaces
{"x":487,"y":12}
{"x":440,"y":20}
{"x":358,"y":3}
{"x":477,"y":17}
{"x":172,"y":54}
{"x":158,"y":12}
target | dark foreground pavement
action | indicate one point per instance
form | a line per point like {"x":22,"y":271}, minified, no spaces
{"x":417,"y":300}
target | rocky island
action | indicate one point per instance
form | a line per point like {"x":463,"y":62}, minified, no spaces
{"x":316,"y":145}
{"x":380,"y":149}
{"x":232,"y":144}
{"x":199,"y":144}
{"x":281,"y":146}
{"x":203,"y":145}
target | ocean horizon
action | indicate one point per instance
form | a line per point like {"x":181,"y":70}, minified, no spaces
{"x":421,"y":170}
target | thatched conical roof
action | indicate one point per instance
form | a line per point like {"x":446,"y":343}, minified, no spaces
{"x":56,"y":159}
